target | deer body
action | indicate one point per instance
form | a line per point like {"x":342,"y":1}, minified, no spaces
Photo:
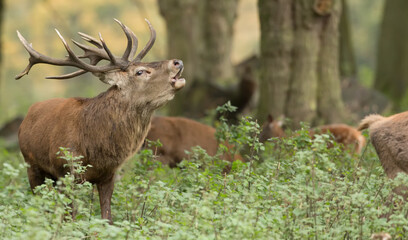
{"x":179,"y":134}
{"x":107,"y":129}
{"x":342,"y":133}
{"x":389,"y":137}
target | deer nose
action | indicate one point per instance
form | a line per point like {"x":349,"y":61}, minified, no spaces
{"x":178,"y":63}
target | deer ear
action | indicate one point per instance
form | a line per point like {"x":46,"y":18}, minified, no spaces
{"x":101,"y":77}
{"x":270,"y":118}
{"x":112,"y":78}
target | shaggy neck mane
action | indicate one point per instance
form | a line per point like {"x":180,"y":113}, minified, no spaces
{"x":116,"y":125}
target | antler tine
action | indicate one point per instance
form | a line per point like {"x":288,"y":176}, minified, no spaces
{"x":101,"y":52}
{"x":129,"y":46}
{"x":69,"y":75}
{"x":91,"y":53}
{"x":94,"y":55}
{"x":134,"y":46}
{"x":111,"y":56}
{"x":75,"y":61}
{"x":31,"y":51}
{"x":24,"y":72}
{"x":91,"y":40}
{"x":36,"y":57}
{"x":149,"y":44}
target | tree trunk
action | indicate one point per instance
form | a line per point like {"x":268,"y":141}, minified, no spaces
{"x":348,"y":66}
{"x":218,"y":22}
{"x":184,"y":41}
{"x":200,"y":33}
{"x":299,"y":55}
{"x":276,"y":56}
{"x":2,"y":10}
{"x":183,"y":33}
{"x":392,"y":59}
{"x":329,"y":102}
{"x":301,"y":102}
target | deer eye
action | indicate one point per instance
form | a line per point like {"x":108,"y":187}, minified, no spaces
{"x":140,"y":72}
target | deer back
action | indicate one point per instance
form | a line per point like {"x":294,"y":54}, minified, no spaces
{"x":344,"y":134}
{"x":179,"y":134}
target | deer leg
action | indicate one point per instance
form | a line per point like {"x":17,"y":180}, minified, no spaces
{"x":105,"y":190}
{"x":36,"y":176}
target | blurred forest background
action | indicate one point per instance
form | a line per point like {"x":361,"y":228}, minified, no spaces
{"x":232,"y":50}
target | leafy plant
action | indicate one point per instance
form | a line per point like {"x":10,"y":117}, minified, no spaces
{"x":290,"y":188}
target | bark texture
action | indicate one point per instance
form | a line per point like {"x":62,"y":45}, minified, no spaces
{"x":200,"y":33}
{"x":218,"y":23}
{"x":392,"y":60}
{"x":183,"y":33}
{"x":348,"y":66}
{"x":2,"y":10}
{"x":300,"y":60}
{"x":329,"y":102}
{"x":276,"y":55}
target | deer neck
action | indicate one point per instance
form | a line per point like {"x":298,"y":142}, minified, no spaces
{"x":116,"y":122}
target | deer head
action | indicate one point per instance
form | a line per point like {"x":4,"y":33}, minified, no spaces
{"x":270,"y":129}
{"x":158,"y":81}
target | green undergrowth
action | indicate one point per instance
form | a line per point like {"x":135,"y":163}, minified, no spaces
{"x":294,"y":188}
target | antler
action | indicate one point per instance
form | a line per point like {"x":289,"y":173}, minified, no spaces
{"x":149,"y":44}
{"x":94,"y":54}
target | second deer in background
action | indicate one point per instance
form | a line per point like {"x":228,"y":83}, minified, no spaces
{"x":179,"y":134}
{"x":342,"y":133}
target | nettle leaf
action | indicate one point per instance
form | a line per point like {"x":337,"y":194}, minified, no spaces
{"x":292,"y":188}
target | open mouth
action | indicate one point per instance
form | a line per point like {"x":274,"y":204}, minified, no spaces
{"x":179,"y":73}
{"x":178,"y":82}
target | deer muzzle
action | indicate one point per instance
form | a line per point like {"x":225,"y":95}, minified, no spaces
{"x":176,"y":81}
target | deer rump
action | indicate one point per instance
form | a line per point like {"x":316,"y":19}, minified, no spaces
{"x":179,"y":134}
{"x":389,"y":137}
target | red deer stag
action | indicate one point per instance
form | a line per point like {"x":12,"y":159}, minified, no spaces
{"x":178,"y":134}
{"x":107,"y":129}
{"x":342,"y":133}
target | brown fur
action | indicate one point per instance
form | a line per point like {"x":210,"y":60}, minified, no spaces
{"x":106,"y":130}
{"x":369,"y":120}
{"x":381,"y":236}
{"x":342,"y":133}
{"x":179,"y":134}
{"x":389,"y":136}
{"x":271,"y":129}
